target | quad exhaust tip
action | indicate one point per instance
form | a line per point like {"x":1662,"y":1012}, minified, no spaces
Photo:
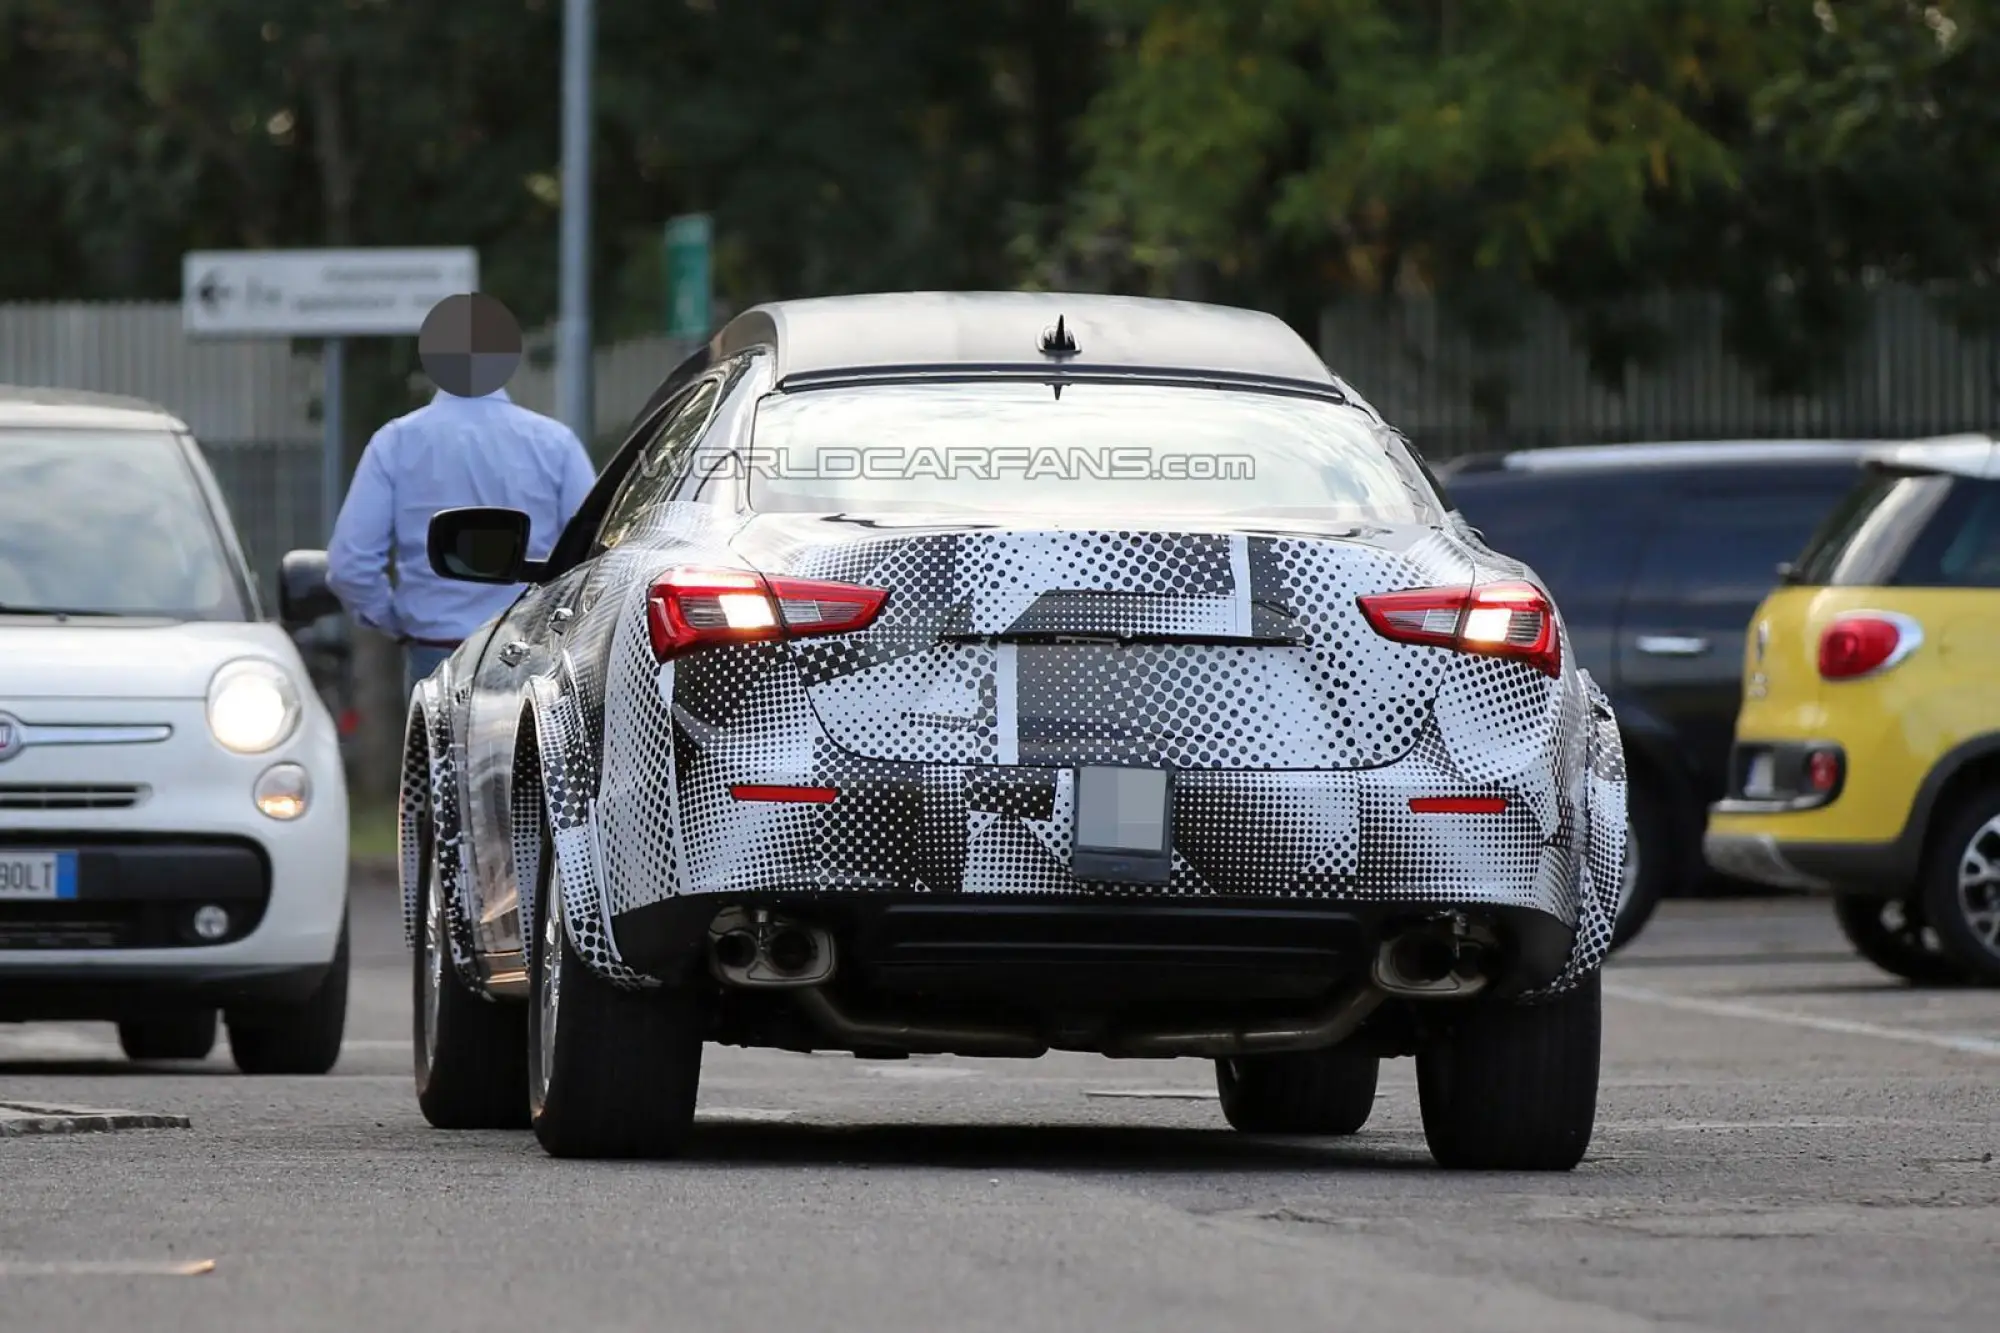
{"x":756,"y":948}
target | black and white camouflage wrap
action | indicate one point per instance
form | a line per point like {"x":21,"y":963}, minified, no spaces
{"x":952,"y":741}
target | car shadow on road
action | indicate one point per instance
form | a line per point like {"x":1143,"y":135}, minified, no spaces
{"x":117,"y":1067}
{"x":1071,"y":1148}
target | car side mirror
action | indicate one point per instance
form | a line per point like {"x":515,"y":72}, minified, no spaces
{"x":481,"y":545}
{"x":303,"y":594}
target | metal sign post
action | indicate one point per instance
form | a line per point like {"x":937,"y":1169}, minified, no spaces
{"x":333,"y":416}
{"x":573,"y":340}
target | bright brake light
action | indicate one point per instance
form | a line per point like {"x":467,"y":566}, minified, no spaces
{"x":689,"y":608}
{"x":1866,"y":643}
{"x":1510,"y":620}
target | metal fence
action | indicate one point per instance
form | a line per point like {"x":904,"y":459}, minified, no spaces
{"x":1909,"y":374}
{"x":254,"y":404}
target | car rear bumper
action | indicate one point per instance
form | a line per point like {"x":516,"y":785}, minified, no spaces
{"x":1859,"y":868}
{"x":1090,"y":951}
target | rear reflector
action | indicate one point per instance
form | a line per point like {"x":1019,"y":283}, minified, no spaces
{"x":1458,"y":805}
{"x":1511,"y":620}
{"x":1823,"y":771}
{"x":750,"y":791}
{"x":1865,"y":643}
{"x":690,"y":608}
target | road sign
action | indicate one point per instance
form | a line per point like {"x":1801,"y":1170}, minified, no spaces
{"x":688,"y":242}
{"x":319,"y":293}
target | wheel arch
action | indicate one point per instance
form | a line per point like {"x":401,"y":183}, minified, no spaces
{"x":1966,"y":768}
{"x":554,"y":755}
{"x":429,"y":784}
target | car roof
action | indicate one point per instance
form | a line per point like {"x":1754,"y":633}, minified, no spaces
{"x":1971,"y":455}
{"x":1662,"y":454}
{"x":836,"y":337}
{"x":28,"y":405}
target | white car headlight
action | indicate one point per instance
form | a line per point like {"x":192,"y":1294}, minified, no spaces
{"x":252,"y":706}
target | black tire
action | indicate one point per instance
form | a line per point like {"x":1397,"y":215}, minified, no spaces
{"x":1658,"y":854}
{"x":302,"y":1038}
{"x":611,"y":1072}
{"x":1891,"y":934}
{"x":1305,"y":1092}
{"x":1513,"y":1087}
{"x":172,"y":1037}
{"x":1961,"y":890}
{"x":471,"y":1060}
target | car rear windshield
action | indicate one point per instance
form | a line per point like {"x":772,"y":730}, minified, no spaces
{"x":1018,"y":449}
{"x":1908,"y":530}
{"x":109,"y":523}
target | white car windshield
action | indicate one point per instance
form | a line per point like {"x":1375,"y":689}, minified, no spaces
{"x":1018,"y":449}
{"x":108,"y":523}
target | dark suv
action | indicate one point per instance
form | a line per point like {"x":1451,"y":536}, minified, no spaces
{"x":1658,"y":554}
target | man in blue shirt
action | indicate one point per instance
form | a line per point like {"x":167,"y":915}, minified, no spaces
{"x":455,"y":451}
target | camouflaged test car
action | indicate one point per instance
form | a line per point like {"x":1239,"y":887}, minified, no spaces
{"x":998,"y":673}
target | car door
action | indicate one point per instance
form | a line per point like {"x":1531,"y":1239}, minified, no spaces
{"x":529,"y":642}
{"x":1705,"y":562}
{"x":493,"y":713}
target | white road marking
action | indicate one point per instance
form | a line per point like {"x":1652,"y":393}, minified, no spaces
{"x":111,"y":1268}
{"x":1950,"y":1041}
{"x":919,"y":1072}
{"x":62,"y":1043}
{"x":727,"y":1113}
{"x":1807,"y":1122}
{"x":1156,"y":1094}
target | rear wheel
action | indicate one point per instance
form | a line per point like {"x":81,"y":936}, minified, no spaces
{"x":1961,"y":895}
{"x":1891,"y":933}
{"x":1652,"y":859}
{"x":173,"y":1037}
{"x":302,"y":1038}
{"x":1304,"y":1092}
{"x":1514,"y":1086}
{"x":611,"y":1072}
{"x":470,"y":1052}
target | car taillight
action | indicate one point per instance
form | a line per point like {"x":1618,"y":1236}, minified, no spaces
{"x":688,"y":608}
{"x":1863,"y":644}
{"x":1511,"y":620}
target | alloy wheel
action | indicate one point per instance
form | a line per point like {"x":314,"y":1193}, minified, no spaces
{"x":434,"y":949}
{"x":548,"y":996}
{"x":1979,"y":884}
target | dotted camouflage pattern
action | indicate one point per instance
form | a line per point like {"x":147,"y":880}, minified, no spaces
{"x":953,"y":747}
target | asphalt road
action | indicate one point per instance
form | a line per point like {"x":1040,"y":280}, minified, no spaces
{"x":1786,"y":1140}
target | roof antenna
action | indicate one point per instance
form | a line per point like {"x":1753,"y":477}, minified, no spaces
{"x":1057,"y":340}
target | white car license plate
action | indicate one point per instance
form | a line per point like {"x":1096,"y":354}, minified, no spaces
{"x":1760,"y":781}
{"x":36,"y":876}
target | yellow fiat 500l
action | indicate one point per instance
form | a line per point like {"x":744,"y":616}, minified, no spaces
{"x":1867,"y":756}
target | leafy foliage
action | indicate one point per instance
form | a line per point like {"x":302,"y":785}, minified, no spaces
{"x":1786,"y":154}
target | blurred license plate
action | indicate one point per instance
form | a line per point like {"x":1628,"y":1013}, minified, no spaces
{"x":33,"y":876}
{"x":1760,"y":781}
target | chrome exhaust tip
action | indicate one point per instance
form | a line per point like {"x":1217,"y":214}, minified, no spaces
{"x":1436,"y":960}
{"x":754,"y":948}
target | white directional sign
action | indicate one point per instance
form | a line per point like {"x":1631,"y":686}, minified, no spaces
{"x":319,"y":293}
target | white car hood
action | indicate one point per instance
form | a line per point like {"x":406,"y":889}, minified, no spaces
{"x":130,"y":659}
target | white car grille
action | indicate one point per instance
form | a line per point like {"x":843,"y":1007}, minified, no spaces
{"x":69,"y":796}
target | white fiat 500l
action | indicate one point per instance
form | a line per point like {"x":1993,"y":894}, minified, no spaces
{"x":173,"y":813}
